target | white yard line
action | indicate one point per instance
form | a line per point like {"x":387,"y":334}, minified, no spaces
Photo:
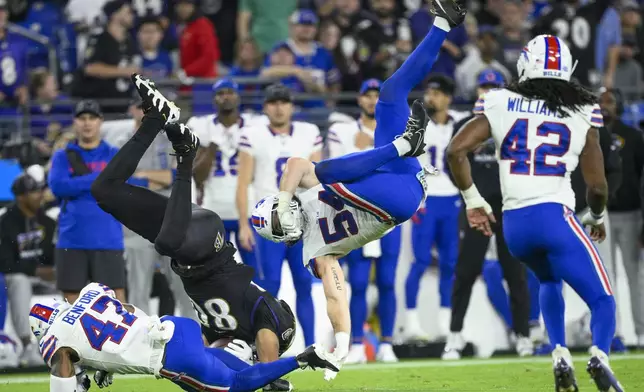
{"x":7,"y":380}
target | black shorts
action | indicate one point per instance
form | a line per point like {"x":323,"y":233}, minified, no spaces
{"x":75,"y":268}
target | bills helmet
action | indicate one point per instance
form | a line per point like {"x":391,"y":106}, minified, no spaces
{"x":43,"y":315}
{"x":266,"y":222}
{"x":545,"y":57}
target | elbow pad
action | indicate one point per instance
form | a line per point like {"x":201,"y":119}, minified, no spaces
{"x":58,"y":384}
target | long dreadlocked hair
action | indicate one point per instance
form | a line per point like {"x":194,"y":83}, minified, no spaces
{"x":557,"y":94}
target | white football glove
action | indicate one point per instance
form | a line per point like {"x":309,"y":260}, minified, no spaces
{"x":340,"y":353}
{"x":241,"y":350}
{"x":103,"y":379}
{"x":588,"y":218}
{"x":287,"y":219}
{"x":160,"y":331}
{"x":82,"y":379}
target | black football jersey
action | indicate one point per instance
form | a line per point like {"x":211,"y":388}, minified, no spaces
{"x":229,"y":304}
{"x":577,"y":27}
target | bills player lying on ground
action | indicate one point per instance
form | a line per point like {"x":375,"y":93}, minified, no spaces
{"x":543,"y":126}
{"x":227,"y":303}
{"x":99,"y":332}
{"x":355,"y":199}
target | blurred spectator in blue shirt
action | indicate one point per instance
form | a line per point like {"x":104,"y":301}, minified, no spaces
{"x":43,"y":18}
{"x":49,"y":113}
{"x":452,"y":50}
{"x":513,"y":34}
{"x":13,"y":63}
{"x":155,"y":61}
{"x":248,"y":65}
{"x":281,"y":65}
{"x":321,"y":74}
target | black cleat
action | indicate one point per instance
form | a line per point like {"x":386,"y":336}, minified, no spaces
{"x":415,"y":129}
{"x":279,"y":385}
{"x":603,"y":376}
{"x":184,"y":142}
{"x":564,"y":377}
{"x":453,"y":11}
{"x":154,"y":101}
{"x":316,"y":357}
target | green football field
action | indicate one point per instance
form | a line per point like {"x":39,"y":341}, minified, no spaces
{"x":509,"y":374}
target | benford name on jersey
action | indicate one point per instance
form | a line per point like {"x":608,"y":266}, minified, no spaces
{"x":522,"y":105}
{"x":79,"y":307}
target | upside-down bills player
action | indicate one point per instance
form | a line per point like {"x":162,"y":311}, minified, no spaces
{"x":543,"y":126}
{"x":99,"y":332}
{"x":355,"y":199}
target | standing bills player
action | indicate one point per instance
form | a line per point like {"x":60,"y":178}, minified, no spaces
{"x":355,"y":199}
{"x":100,"y":332}
{"x":543,"y":126}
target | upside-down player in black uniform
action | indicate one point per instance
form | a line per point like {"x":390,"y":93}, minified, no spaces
{"x":227,"y":302}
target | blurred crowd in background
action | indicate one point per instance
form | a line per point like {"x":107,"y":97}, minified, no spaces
{"x":56,"y":53}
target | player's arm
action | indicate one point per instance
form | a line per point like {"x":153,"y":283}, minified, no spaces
{"x":475,"y":132}
{"x":268,"y":346}
{"x":299,"y":173}
{"x":245,"y":171}
{"x":328,"y":269}
{"x":63,"y":375}
{"x":592,"y":169}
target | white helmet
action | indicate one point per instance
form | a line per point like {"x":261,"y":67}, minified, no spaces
{"x":42,"y":316}
{"x":266,"y":221}
{"x":545,"y":57}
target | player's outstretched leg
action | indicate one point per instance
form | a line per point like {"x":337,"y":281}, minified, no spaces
{"x":352,"y":167}
{"x":140,"y":209}
{"x":392,"y":109}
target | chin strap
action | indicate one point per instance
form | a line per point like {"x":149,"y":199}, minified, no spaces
{"x":574,"y":66}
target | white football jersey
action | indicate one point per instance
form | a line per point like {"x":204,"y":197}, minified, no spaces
{"x":437,"y":138}
{"x":271,"y":151}
{"x":334,"y":228}
{"x":537,"y":149}
{"x":342,"y":137}
{"x":220,"y":188}
{"x":104,"y":335}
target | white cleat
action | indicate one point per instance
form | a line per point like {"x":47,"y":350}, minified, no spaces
{"x":454,"y":346}
{"x":524,"y":346}
{"x":31,"y":356}
{"x":357,"y":355}
{"x":414,"y":335}
{"x":8,"y":356}
{"x":386,"y":353}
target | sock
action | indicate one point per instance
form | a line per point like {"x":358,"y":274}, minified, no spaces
{"x":402,"y":146}
{"x":446,"y":283}
{"x":553,"y":308}
{"x":351,"y":167}
{"x":412,"y":284}
{"x":258,"y":375}
{"x":228,"y":359}
{"x":417,"y":65}
{"x":184,"y":168}
{"x":358,"y":311}
{"x":533,"y":288}
{"x":602,"y":322}
{"x":306,"y":315}
{"x":3,"y":302}
{"x":493,"y":276}
{"x":387,"y":311}
{"x":411,"y":318}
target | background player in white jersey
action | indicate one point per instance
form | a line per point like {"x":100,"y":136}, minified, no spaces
{"x":355,"y":199}
{"x":141,"y":257}
{"x":263,"y":152}
{"x":345,"y":138}
{"x":543,"y":126}
{"x":216,"y":161}
{"x":99,"y":332}
{"x":436,"y":223}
